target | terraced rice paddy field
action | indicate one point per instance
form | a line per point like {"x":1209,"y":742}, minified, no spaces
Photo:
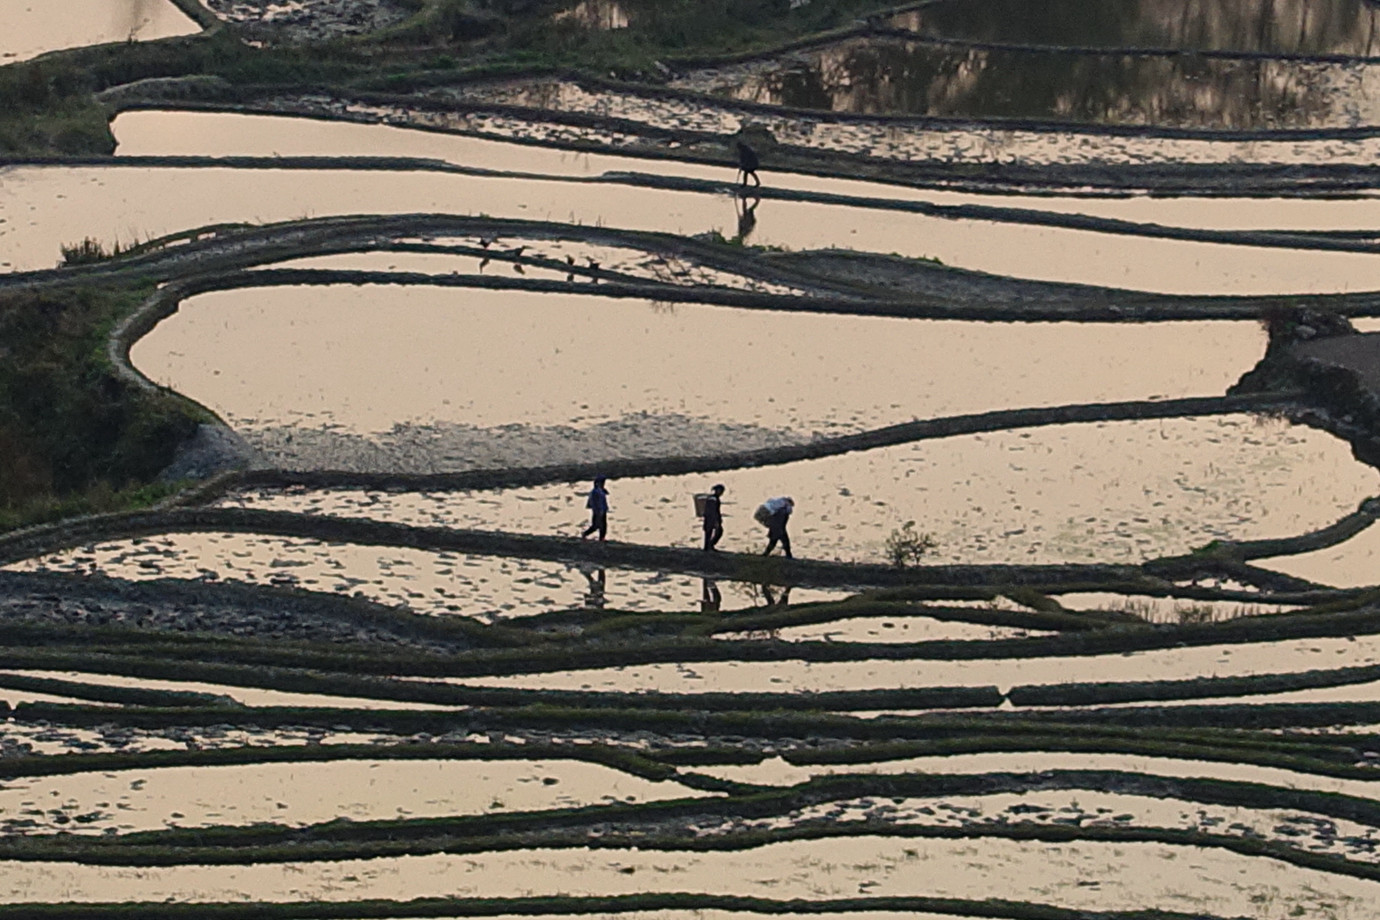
{"x":1074,"y":304}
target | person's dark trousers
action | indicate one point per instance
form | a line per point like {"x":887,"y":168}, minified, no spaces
{"x":599,"y":520}
{"x":712,"y":536}
{"x":776,"y":530}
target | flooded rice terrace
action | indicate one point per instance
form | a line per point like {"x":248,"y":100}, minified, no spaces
{"x":1043,"y":316}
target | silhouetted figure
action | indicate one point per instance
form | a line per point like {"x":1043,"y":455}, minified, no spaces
{"x":713,"y":518}
{"x":747,"y":216}
{"x":773,"y":514}
{"x":748,"y":164}
{"x":598,"y":505}
{"x":710,"y":596}
{"x":594,"y":597}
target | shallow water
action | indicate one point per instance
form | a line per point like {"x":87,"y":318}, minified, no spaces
{"x":44,"y":207}
{"x":311,"y":793}
{"x":168,"y":133}
{"x":1098,"y":492}
{"x":364,"y":358}
{"x":485,"y":587}
{"x":1082,"y":875}
{"x":1353,"y":564}
{"x":32,"y":27}
{"x":897,"y":629}
{"x":1241,"y":660}
{"x":1343,"y":27}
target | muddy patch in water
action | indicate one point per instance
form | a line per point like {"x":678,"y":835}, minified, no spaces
{"x":873,"y":137}
{"x":1080,"y":875}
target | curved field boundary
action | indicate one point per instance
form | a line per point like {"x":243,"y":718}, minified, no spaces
{"x":987,"y":909}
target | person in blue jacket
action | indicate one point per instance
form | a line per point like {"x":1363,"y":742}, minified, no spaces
{"x":598,"y":505}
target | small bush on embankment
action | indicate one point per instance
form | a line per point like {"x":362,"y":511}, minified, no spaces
{"x":74,"y":436}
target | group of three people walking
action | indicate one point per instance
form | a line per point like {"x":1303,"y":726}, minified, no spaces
{"x":773,"y":514}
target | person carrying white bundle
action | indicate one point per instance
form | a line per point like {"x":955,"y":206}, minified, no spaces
{"x":773,"y":515}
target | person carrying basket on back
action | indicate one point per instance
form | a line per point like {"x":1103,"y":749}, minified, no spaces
{"x":711,"y":509}
{"x":773,"y":515}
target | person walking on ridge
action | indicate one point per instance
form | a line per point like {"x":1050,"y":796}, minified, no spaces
{"x":713,"y":518}
{"x":598,"y":505}
{"x":773,"y":514}
{"x":748,"y":163}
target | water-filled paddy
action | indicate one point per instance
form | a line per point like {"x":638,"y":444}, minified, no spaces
{"x":897,"y":629}
{"x":366,"y":358}
{"x":433,"y":583}
{"x":1353,"y":564}
{"x":32,"y":27}
{"x":1103,"y":492}
{"x":174,"y":133}
{"x":1128,"y":876}
{"x":47,"y":206}
{"x":312,"y":793}
{"x":1242,"y":660}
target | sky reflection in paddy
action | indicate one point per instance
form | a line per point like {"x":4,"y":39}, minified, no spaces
{"x":363,"y":358}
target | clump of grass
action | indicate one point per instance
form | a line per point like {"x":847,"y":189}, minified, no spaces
{"x":907,"y":546}
{"x":88,"y":251}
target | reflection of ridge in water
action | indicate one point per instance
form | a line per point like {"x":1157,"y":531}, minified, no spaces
{"x":1303,"y":27}
{"x":898,"y":77}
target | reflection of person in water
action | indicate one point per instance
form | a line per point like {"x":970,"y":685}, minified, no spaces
{"x":747,"y":216}
{"x":594,"y":595}
{"x":769,"y":595}
{"x":710,"y":598}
